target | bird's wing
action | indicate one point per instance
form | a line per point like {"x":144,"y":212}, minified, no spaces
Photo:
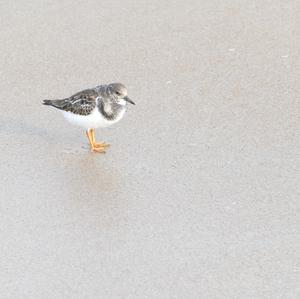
{"x":82,"y":103}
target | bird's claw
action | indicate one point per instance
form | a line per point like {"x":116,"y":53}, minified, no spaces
{"x":98,"y":150}
{"x":101,"y":145}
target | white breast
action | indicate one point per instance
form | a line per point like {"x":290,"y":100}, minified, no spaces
{"x":91,"y":121}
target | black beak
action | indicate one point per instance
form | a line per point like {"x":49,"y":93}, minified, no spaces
{"x":128,"y":100}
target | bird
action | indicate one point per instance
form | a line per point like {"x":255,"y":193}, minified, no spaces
{"x":98,"y":107}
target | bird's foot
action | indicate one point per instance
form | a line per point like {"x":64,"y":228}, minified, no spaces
{"x":99,"y":147}
{"x":98,"y":150}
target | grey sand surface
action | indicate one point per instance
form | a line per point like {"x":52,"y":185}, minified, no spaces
{"x":198,"y":197}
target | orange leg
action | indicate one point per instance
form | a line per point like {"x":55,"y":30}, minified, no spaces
{"x":95,"y":147}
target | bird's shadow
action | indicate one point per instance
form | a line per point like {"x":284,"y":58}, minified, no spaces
{"x":82,"y":176}
{"x":23,"y":129}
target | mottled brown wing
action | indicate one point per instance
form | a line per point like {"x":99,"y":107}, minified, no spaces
{"x":82,"y":103}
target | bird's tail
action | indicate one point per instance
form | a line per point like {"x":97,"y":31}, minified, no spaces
{"x":59,"y":104}
{"x":47,"y":102}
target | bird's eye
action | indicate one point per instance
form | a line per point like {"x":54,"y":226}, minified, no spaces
{"x":118,"y":93}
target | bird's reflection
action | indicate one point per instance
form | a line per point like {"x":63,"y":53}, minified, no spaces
{"x":93,"y":188}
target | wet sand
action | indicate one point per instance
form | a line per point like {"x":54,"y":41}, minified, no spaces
{"x":198,"y":196}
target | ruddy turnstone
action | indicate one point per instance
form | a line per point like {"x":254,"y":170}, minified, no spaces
{"x":93,"y":108}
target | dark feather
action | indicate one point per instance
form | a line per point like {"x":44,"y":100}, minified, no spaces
{"x":82,"y":103}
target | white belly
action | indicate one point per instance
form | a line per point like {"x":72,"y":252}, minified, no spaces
{"x":91,"y":121}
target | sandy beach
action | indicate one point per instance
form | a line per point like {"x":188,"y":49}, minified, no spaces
{"x":198,"y":196}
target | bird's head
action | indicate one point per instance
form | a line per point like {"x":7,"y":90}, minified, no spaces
{"x":119,"y":92}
